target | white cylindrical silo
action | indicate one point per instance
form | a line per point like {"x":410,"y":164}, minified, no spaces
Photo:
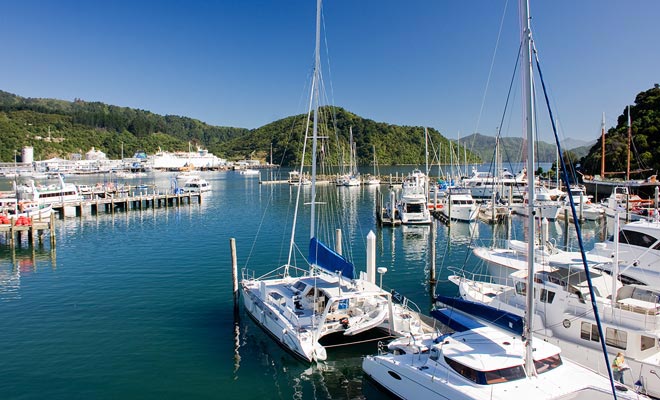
{"x":27,"y":155}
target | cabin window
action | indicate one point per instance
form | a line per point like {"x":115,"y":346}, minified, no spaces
{"x":589,"y":332}
{"x":636,"y":238}
{"x":487,"y":377}
{"x":504,"y":375}
{"x":547,"y":296}
{"x":465,"y":371}
{"x":547,"y":364}
{"x":647,"y":342}
{"x":521,"y":288}
{"x":616,"y":338}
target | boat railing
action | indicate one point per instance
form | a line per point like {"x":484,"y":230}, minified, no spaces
{"x":280,"y":272}
{"x":473,"y":276}
{"x":638,"y":316}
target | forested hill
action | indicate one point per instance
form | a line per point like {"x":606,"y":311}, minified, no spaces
{"x":77,"y":126}
{"x":645,"y":148}
{"x":394,"y":144}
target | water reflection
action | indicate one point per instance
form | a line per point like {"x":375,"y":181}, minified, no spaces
{"x":20,"y":263}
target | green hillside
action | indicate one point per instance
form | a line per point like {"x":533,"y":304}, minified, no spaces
{"x":57,"y":128}
{"x":645,"y":148}
{"x":395,"y":145}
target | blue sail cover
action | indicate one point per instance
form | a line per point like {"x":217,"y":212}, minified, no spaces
{"x":324,"y":257}
{"x":503,"y":319}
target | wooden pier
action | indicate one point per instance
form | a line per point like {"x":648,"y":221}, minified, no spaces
{"x":34,"y":229}
{"x":139,"y":202}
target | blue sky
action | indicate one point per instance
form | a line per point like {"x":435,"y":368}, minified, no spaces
{"x":413,"y":62}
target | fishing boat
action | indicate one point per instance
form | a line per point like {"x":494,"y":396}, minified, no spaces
{"x":485,"y":361}
{"x":300,"y":306}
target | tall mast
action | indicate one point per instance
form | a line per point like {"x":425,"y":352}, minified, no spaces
{"x":316,"y":79}
{"x":528,"y":114}
{"x":426,"y":150}
{"x":602,"y":148}
{"x":629,"y":140}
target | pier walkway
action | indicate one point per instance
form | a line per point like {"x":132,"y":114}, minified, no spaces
{"x":135,"y":202}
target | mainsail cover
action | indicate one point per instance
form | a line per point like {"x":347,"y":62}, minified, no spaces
{"x":324,"y":257}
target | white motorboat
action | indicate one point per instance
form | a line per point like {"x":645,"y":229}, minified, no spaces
{"x":483,"y":361}
{"x":61,"y":193}
{"x":412,"y":205}
{"x":638,"y":252}
{"x":12,"y":208}
{"x":196,"y":185}
{"x":458,"y":204}
{"x":300,"y":306}
{"x":297,"y":179}
{"x":249,"y":172}
{"x":630,"y":316}
{"x":585,"y":209}
{"x":545,"y":206}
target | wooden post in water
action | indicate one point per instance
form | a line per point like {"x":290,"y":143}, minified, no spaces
{"x":52,"y":230}
{"x":432,"y":279}
{"x":234,"y":270}
{"x":12,"y":221}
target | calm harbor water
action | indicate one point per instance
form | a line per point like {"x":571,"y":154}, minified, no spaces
{"x":139,"y":305}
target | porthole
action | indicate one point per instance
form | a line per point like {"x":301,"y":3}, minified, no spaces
{"x":394,"y":375}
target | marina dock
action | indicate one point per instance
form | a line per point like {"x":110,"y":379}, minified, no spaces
{"x":136,"y":202}
{"x":34,"y":229}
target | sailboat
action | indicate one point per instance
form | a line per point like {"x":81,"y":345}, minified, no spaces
{"x":375,"y":178}
{"x":352,"y":178}
{"x":603,"y":186}
{"x":300,"y":306}
{"x":481,"y":361}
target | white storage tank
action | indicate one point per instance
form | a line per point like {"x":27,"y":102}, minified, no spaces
{"x":27,"y":155}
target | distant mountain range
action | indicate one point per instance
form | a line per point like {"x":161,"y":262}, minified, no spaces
{"x":511,"y":149}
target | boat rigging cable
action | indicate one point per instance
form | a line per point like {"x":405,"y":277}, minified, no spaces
{"x":578,"y":231}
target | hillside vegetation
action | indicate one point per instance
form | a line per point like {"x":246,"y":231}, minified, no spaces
{"x":645,"y":148}
{"x":56,"y":128}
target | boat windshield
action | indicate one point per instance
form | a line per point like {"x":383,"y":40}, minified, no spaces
{"x":487,"y":377}
{"x":547,"y":364}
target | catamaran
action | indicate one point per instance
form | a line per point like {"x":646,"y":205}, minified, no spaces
{"x":301,"y":306}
